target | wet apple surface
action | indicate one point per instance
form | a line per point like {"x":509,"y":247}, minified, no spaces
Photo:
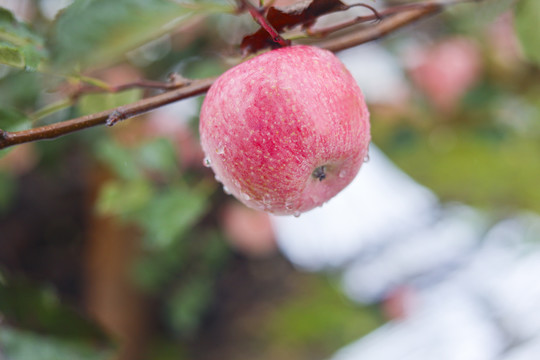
{"x":285,"y":131}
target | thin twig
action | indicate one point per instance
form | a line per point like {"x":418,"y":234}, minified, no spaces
{"x":196,"y":87}
{"x":175,"y":82}
{"x":387,"y":25}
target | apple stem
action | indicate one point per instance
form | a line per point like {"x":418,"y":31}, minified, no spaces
{"x":258,"y":16}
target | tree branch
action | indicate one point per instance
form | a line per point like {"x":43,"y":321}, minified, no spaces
{"x":195,"y":87}
{"x":388,"y":24}
{"x":393,"y":19}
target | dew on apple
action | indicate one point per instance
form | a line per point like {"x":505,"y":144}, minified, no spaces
{"x":297,"y":214}
{"x":288,"y":205}
{"x":366,"y":158}
{"x":295,"y":125}
{"x":207,"y":162}
{"x":226,"y":190}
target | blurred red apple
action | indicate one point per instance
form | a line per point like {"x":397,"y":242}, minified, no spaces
{"x":445,"y":71}
{"x":285,"y":131}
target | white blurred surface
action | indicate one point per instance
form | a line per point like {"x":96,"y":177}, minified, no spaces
{"x":472,"y":283}
{"x":449,"y":329}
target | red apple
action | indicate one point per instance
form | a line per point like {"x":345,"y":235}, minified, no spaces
{"x":285,"y":131}
{"x":445,"y":71}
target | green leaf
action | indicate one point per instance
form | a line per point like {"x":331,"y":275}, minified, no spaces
{"x":8,"y":188}
{"x":6,"y":16}
{"x":19,"y":46}
{"x":124,"y":198}
{"x":11,"y":120}
{"x":20,"y":345}
{"x":94,"y":103}
{"x":171,"y":214}
{"x":89,"y":32}
{"x":37,"y":307}
{"x":526,"y":23}
{"x":118,"y":159}
{"x":158,"y":155}
{"x":11,"y":56}
{"x":188,"y":303}
{"x":20,"y":90}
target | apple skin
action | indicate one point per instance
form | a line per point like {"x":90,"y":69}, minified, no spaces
{"x":286,"y":130}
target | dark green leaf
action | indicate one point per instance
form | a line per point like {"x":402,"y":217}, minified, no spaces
{"x":36,"y":307}
{"x":6,"y":16}
{"x":20,"y":345}
{"x":97,"y":31}
{"x":118,"y":159}
{"x":158,"y":155}
{"x":172,"y":213}
{"x":7,"y":190}
{"x":188,"y":303}
{"x":124,"y":198}
{"x":526,"y":22}
{"x":20,"y":90}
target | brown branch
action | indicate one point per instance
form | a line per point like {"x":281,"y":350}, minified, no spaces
{"x":390,"y":23}
{"x":196,"y":87}
{"x":394,"y":21}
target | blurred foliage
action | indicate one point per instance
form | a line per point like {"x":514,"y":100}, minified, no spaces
{"x":19,"y":46}
{"x":527,"y":18}
{"x":36,"y":307}
{"x":21,"y":345}
{"x":319,"y":320}
{"x":94,"y":103}
{"x":483,"y":152}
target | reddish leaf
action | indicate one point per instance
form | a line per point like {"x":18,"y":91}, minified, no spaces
{"x":282,"y":19}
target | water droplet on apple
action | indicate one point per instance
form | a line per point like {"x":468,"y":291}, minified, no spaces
{"x":207,"y":162}
{"x":296,"y":214}
{"x":217,"y":178}
{"x":366,"y":158}
{"x":226,"y":190}
{"x":342,"y":173}
{"x":246,"y":197}
{"x":288,"y":205}
{"x":220,"y":150}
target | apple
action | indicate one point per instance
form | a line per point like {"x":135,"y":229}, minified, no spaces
{"x":286,"y":130}
{"x":446,"y":70}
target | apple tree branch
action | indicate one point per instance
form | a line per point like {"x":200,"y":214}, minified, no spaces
{"x":391,"y":20}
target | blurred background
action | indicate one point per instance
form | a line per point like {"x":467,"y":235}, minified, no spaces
{"x":117,"y":243}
